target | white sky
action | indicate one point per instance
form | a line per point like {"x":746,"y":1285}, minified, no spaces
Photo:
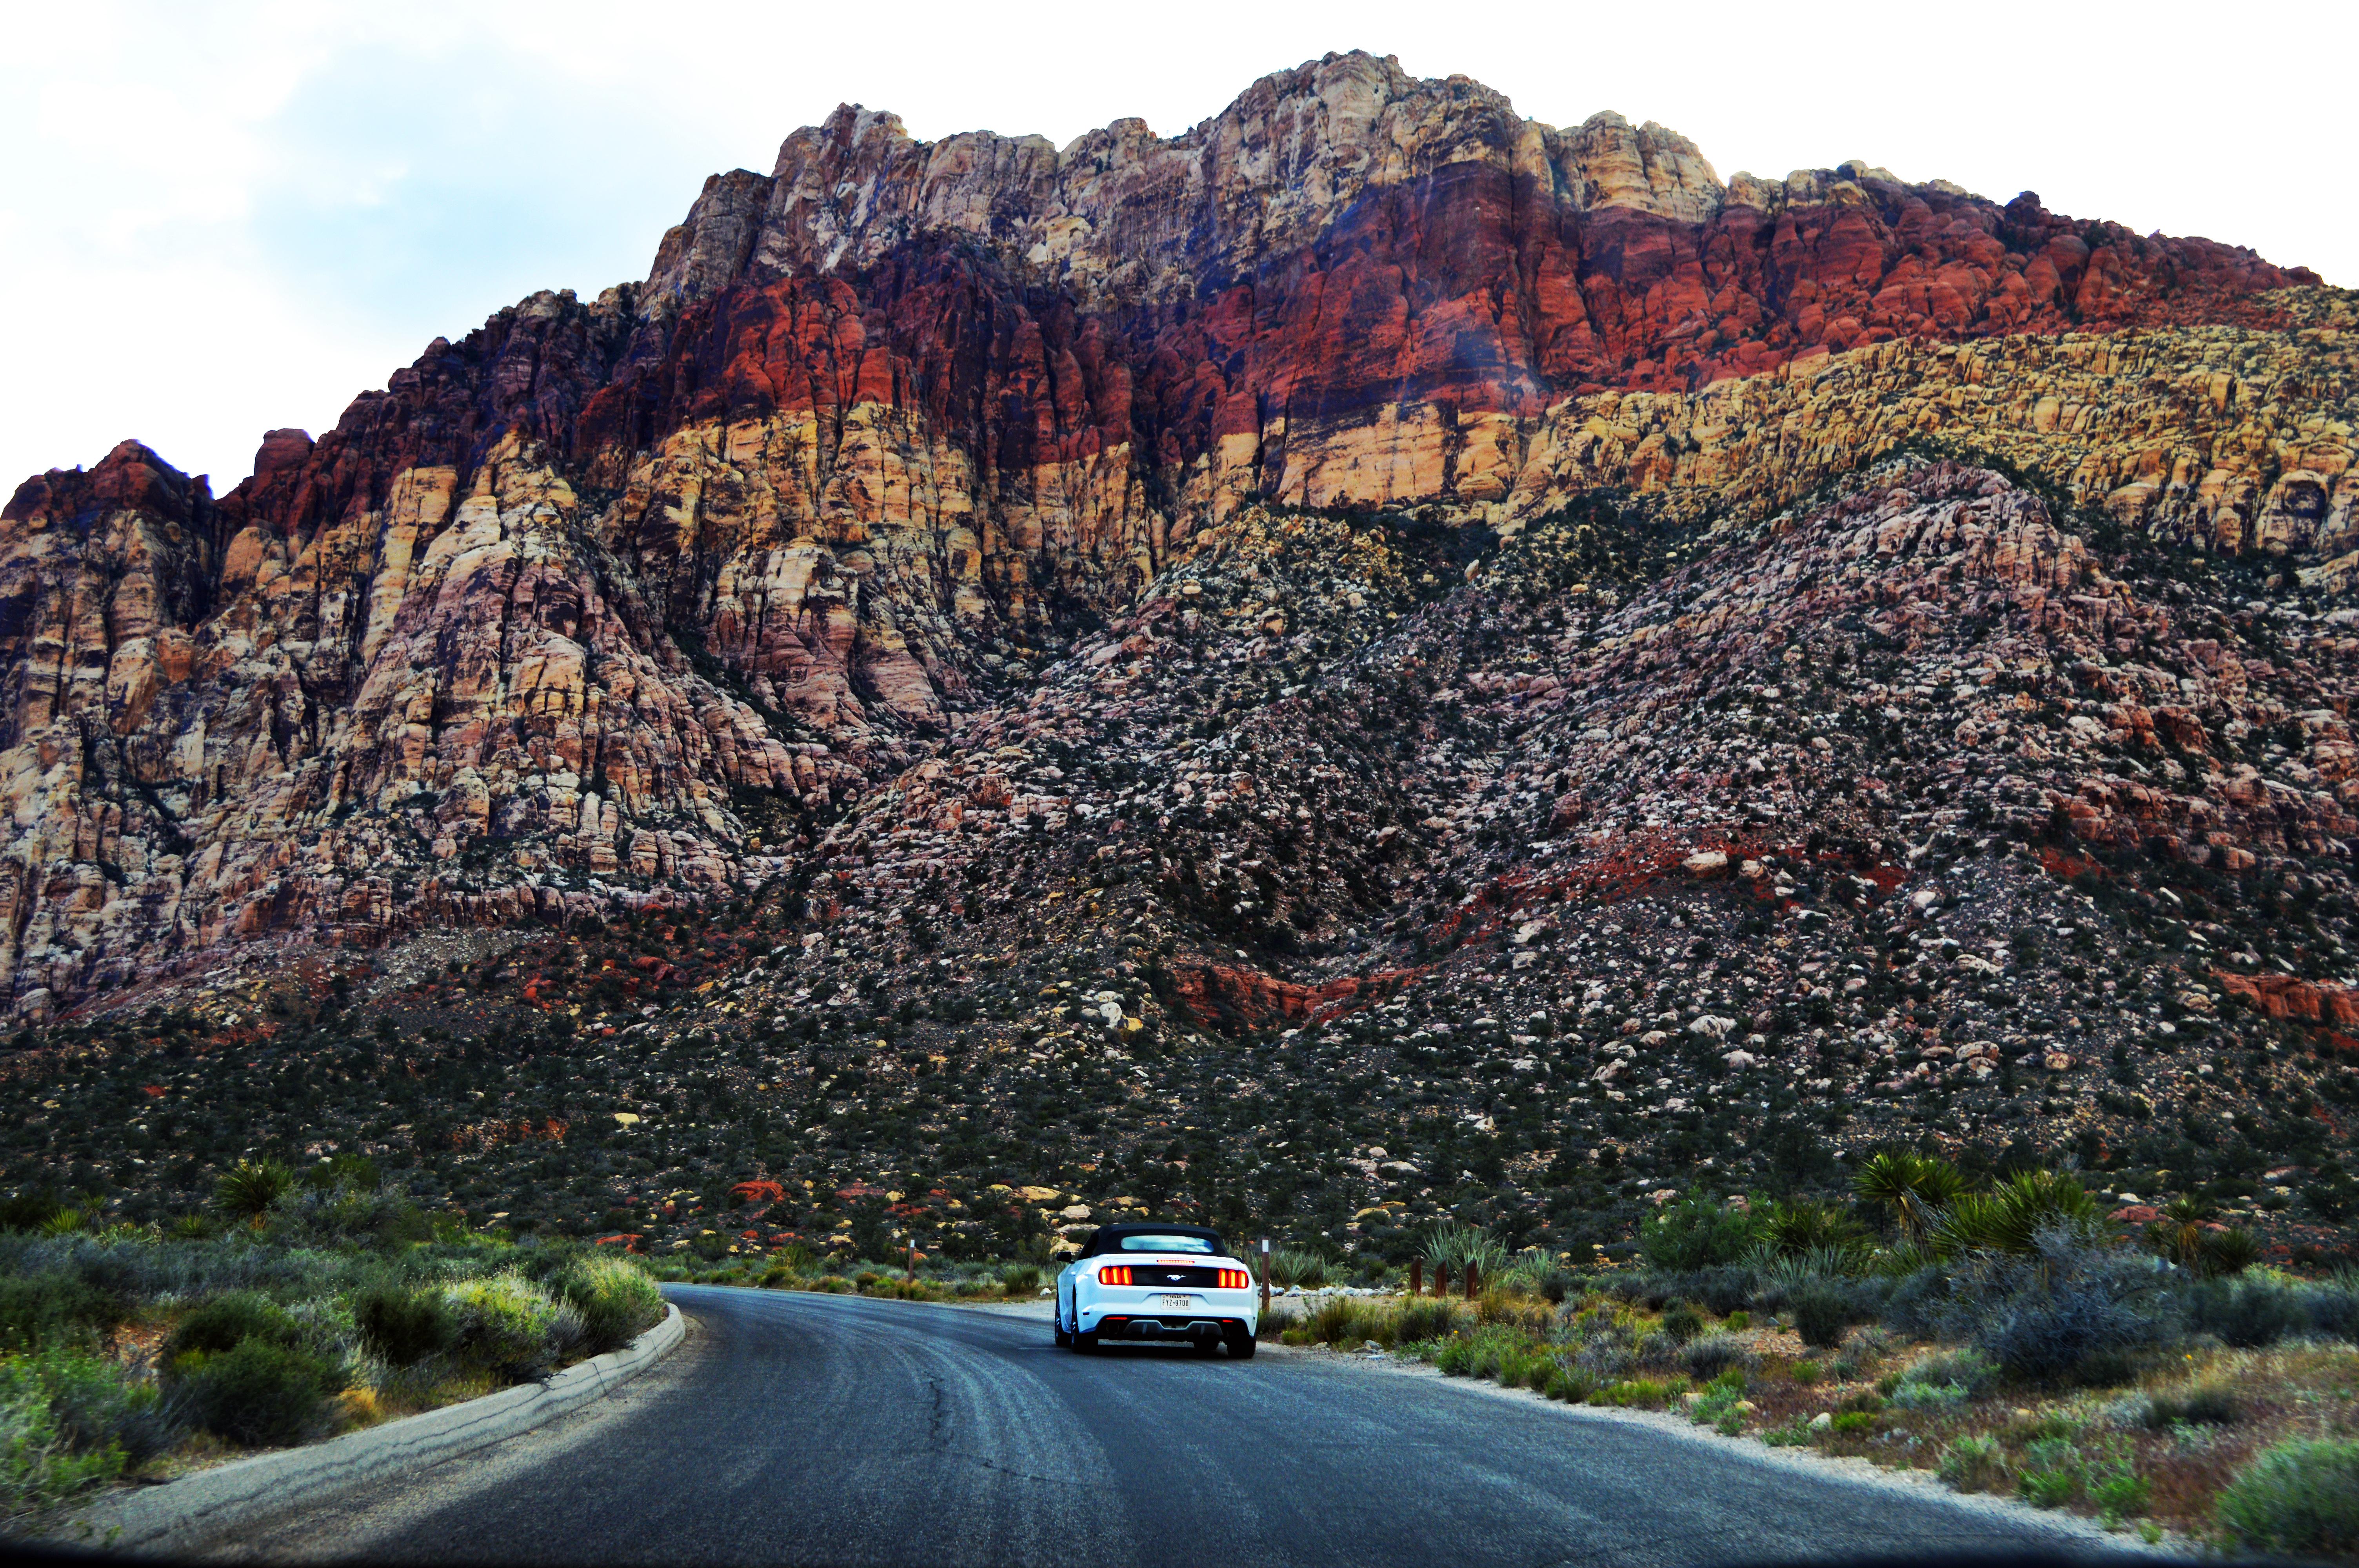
{"x":220,"y":217}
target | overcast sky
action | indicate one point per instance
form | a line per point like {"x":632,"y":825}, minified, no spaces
{"x":218,"y":218}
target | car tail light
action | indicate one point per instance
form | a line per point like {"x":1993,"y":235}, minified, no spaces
{"x":1115,"y":1275}
{"x":1236,"y":1280}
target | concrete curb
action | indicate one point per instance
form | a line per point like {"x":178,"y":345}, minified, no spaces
{"x":186,"y":1513}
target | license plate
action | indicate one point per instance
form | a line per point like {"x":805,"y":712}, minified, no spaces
{"x":1175,"y":1301}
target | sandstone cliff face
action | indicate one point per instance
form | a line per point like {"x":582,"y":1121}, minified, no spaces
{"x":624,"y":599}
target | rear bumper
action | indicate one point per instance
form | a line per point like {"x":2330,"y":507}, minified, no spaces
{"x":1174,"y":1326}
{"x":1091,"y":1316}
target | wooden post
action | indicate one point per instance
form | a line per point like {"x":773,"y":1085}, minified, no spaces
{"x":1474,"y":1279}
{"x":1265,"y":1276}
{"x":913,"y":1260}
{"x":1417,"y":1276}
{"x":1441,"y":1278}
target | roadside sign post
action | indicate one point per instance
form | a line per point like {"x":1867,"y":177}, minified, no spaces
{"x":1265,"y":1275}
{"x":1415,"y":1277}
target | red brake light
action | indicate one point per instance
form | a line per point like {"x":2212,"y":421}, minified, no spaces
{"x":1115,"y":1275}
{"x":1236,"y":1280}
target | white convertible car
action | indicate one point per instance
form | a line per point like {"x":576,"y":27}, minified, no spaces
{"x":1173,"y":1284}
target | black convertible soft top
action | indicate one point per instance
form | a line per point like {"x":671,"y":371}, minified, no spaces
{"x":1108,"y":1238}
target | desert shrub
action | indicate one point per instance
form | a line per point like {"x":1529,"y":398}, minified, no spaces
{"x":1643,"y":1393}
{"x":1696,"y":1233}
{"x":2071,"y":1310}
{"x":2334,"y":1307}
{"x":1339,"y":1320}
{"x":52,"y":1308}
{"x":96,"y":1409}
{"x":2207,"y":1404}
{"x":258,"y":1393}
{"x":2247,"y":1312}
{"x":616,"y":1298}
{"x":41,"y":1461}
{"x":1806,"y":1372}
{"x":1738,"y":1322}
{"x":2053,"y":1473}
{"x":1424,"y":1319}
{"x":1939,"y":1397}
{"x":2300,"y":1497}
{"x":1970,"y":1370}
{"x":1850,"y":1423}
{"x":1570,"y":1384}
{"x":1020,"y":1279}
{"x":507,"y":1324}
{"x":2119,"y":1492}
{"x":1974,"y":1464}
{"x":228,"y":1321}
{"x":1820,"y":1316}
{"x":404,"y":1324}
{"x":1455,"y":1357}
{"x":1532,"y":1369}
{"x":1710,"y":1355}
{"x":1683,"y":1321}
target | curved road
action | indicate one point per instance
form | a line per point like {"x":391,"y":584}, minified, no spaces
{"x":834,"y":1430}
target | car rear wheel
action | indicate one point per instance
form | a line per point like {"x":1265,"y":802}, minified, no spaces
{"x":1086,"y":1344}
{"x":1063,"y":1338}
{"x":1204,"y":1347}
{"x":1242,"y":1346}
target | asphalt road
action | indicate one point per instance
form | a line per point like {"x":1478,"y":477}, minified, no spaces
{"x":796,"y":1427}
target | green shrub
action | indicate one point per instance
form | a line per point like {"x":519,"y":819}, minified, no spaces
{"x":258,"y":1393}
{"x":2299,"y":1497}
{"x":2053,"y":1473}
{"x":2119,"y":1493}
{"x":41,"y":1460}
{"x":1020,"y":1279}
{"x":52,"y":1308}
{"x":1738,"y":1322}
{"x":1850,"y":1421}
{"x":1424,"y":1318}
{"x":1455,"y":1357}
{"x":96,"y":1409}
{"x":617,"y":1300}
{"x":1640,"y":1393}
{"x":1969,"y":1369}
{"x":2207,"y":1404}
{"x":1696,"y":1233}
{"x":509,"y":1325}
{"x":1571,"y":1384}
{"x":405,"y":1323}
{"x":1974,"y":1464}
{"x":2249,"y":1313}
{"x":225,"y":1321}
{"x":1939,"y":1397}
{"x":1805,"y":1373}
{"x":1820,"y":1316}
{"x":1711,"y":1355}
{"x":1339,"y":1320}
{"x":1681,"y":1321}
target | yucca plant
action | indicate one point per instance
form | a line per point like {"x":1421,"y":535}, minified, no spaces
{"x":2010,"y":1216}
{"x":2178,"y":1232}
{"x":1912,"y":1188}
{"x":250,"y":1189}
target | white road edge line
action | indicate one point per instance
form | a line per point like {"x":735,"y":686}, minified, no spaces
{"x":194,"y":1509}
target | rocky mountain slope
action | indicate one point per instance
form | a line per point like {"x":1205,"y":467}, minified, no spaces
{"x":1373,"y":626}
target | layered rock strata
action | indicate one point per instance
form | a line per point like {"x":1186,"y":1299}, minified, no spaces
{"x":623,"y":601}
